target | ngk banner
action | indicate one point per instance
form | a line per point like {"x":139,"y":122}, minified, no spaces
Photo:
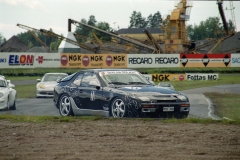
{"x":153,"y":60}
{"x":93,"y":60}
{"x":205,"y":60}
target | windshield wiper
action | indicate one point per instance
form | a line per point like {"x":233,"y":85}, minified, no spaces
{"x":137,"y":83}
{"x":117,"y":83}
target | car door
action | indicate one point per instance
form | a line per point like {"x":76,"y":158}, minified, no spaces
{"x":91,"y":94}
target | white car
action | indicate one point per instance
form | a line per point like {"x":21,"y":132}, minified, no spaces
{"x":8,"y":95}
{"x":45,"y":86}
{"x":166,"y":85}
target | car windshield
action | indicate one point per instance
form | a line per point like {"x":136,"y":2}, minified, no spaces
{"x":3,"y":83}
{"x":164,"y":84}
{"x":53,"y":77}
{"x":123,"y":78}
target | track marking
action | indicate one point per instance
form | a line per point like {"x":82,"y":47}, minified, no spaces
{"x":209,"y":108}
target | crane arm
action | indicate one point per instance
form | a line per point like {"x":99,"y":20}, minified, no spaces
{"x":151,"y":49}
{"x":52,"y":34}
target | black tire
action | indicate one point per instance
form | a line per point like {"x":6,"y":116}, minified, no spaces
{"x":118,"y":108}
{"x":65,"y":107}
{"x":13,"y":107}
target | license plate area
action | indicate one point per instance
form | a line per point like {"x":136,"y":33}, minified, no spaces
{"x":168,"y":109}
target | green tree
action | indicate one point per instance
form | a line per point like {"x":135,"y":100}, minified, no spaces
{"x":2,"y":39}
{"x":82,"y":30}
{"x":55,"y":45}
{"x":210,"y":28}
{"x":106,"y":27}
{"x":156,"y":20}
{"x":92,"y":21}
{"x":30,"y":45}
{"x":137,"y":21}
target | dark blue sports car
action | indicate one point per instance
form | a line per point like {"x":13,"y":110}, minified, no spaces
{"x":117,"y":93}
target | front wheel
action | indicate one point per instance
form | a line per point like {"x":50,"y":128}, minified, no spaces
{"x":14,"y":106}
{"x":65,"y":107}
{"x":118,"y":108}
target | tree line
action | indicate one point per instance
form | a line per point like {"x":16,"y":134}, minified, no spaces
{"x":210,"y":28}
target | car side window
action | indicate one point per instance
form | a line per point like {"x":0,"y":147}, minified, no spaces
{"x":77,"y":81}
{"x":87,"y":78}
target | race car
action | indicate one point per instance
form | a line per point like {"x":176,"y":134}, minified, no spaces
{"x":117,"y":93}
{"x":8,"y":95}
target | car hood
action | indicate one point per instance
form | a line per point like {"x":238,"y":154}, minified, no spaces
{"x":3,"y":88}
{"x":49,"y":83}
{"x":152,"y":92}
{"x":151,"y":89}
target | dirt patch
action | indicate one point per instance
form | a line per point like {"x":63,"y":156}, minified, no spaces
{"x":119,"y":139}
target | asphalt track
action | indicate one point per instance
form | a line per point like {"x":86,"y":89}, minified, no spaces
{"x":201,"y":106}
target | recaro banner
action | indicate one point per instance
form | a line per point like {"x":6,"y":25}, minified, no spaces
{"x":153,"y":60}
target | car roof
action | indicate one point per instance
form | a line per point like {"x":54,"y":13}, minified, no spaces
{"x":2,"y":77}
{"x":106,"y":69}
{"x":57,"y":73}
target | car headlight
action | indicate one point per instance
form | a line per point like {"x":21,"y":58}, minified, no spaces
{"x":1,"y":94}
{"x":41,"y":86}
{"x":182,"y":97}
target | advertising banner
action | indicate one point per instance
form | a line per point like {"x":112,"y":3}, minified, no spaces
{"x":201,"y":76}
{"x":153,"y":60}
{"x":17,"y":60}
{"x":235,"y":60}
{"x":50,"y":60}
{"x":93,"y":60}
{"x":205,"y":60}
{"x":168,"y":77}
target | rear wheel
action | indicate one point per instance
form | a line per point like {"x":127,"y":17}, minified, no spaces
{"x":65,"y":107}
{"x":118,"y":108}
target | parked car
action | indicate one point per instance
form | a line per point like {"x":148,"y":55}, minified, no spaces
{"x":166,"y":85}
{"x":8,"y":95}
{"x":117,"y":93}
{"x":45,"y":86}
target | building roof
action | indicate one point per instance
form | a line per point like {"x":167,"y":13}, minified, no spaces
{"x":14,"y":44}
{"x":139,"y":30}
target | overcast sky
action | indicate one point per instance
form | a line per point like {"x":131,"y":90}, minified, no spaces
{"x":54,"y":14}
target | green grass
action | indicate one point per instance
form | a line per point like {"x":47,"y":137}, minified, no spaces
{"x":226,"y":104}
{"x":26,"y":91}
{"x":223,"y":79}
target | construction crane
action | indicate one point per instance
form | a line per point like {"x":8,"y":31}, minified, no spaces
{"x":51,"y":34}
{"x":32,"y":30}
{"x":138,"y":45}
{"x":176,"y":39}
{"x":151,"y":38}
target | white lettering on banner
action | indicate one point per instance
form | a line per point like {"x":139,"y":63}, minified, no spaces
{"x":201,"y":76}
{"x":139,"y":60}
{"x":166,"y":60}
